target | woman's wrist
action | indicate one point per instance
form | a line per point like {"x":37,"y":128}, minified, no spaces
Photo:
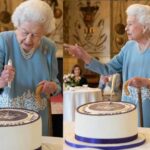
{"x":2,"y":83}
{"x":148,"y":83}
{"x":87,"y":59}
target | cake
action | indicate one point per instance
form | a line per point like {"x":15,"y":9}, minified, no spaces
{"x":106,"y":125}
{"x":20,"y":129}
{"x":108,"y":121}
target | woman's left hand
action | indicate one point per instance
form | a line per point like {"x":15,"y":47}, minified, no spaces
{"x":104,"y":79}
{"x":49,"y":87}
{"x":139,"y":82}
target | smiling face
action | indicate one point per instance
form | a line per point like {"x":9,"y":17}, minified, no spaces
{"x":134,"y":29}
{"x":77,"y":71}
{"x":29,"y":35}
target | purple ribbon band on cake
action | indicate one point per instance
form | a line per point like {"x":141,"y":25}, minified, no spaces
{"x":106,"y":141}
{"x":117,"y":147}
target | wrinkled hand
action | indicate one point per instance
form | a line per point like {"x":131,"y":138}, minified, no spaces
{"x":7,"y":75}
{"x":78,"y":52}
{"x":139,"y":82}
{"x":104,"y":79}
{"x":48,"y":87}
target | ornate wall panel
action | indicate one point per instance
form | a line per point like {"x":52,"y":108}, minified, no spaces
{"x":87,"y":23}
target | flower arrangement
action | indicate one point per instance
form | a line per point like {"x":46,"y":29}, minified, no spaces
{"x":70,"y":80}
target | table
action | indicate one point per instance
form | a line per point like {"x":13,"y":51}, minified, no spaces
{"x":69,"y":126}
{"x":77,"y":96}
{"x":52,"y":143}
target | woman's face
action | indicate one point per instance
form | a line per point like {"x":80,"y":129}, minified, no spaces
{"x":77,"y":71}
{"x":29,"y":35}
{"x":134,"y":29}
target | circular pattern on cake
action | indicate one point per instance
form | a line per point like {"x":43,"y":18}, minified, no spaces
{"x":105,"y":108}
{"x":17,"y":117}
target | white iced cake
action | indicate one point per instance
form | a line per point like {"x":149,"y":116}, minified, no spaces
{"x":107,"y":122}
{"x":20,"y":129}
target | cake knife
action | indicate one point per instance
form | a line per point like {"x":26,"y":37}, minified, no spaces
{"x":112,"y":86}
{"x":9,"y":64}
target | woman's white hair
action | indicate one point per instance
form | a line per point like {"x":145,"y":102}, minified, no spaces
{"x":141,"y":12}
{"x":34,"y":10}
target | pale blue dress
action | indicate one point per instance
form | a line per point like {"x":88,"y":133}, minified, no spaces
{"x":132,"y":63}
{"x":28,"y":73}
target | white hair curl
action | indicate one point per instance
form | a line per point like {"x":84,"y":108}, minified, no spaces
{"x":141,"y":12}
{"x":34,"y":10}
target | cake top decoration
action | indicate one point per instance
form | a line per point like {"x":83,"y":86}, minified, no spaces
{"x":16,"y":117}
{"x":106,"y":108}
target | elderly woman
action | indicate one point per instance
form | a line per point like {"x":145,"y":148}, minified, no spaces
{"x":133,"y":60}
{"x":27,"y":60}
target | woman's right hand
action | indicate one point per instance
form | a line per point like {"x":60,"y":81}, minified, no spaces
{"x":78,"y":52}
{"x":7,"y":75}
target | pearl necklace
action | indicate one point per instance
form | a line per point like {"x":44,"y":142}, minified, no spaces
{"x":143,"y":48}
{"x":27,"y":55}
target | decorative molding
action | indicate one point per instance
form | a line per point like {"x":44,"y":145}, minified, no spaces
{"x":95,"y":39}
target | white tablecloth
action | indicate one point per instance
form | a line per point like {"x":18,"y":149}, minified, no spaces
{"x":52,"y":143}
{"x":78,"y":96}
{"x":69,"y":126}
